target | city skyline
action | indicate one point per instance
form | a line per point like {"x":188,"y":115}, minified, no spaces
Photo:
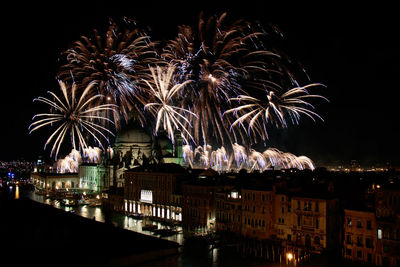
{"x":353,"y":56}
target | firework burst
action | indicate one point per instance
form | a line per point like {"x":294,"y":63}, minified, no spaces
{"x":117,"y":62}
{"x":241,"y":158}
{"x":164,"y":110}
{"x":224,"y":61}
{"x":81,"y":118}
{"x":273,"y":109}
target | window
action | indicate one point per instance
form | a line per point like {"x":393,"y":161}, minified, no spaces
{"x":263,"y":197}
{"x":298,"y":204}
{"x":298,"y":220}
{"x":289,"y":237}
{"x":368,"y":242}
{"x":317,"y":240}
{"x":316,"y":207}
{"x":317,"y":223}
{"x":72,"y":184}
{"x":283,"y":210}
{"x":359,"y":225}
{"x":379,"y":233}
{"x":348,"y":239}
{"x":359,"y":254}
{"x":369,"y":227}
{"x":348,"y":252}
{"x":359,"y":241}
{"x":348,"y":222}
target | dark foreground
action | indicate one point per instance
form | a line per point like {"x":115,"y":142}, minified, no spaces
{"x":35,"y":234}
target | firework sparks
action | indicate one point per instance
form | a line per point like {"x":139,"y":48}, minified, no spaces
{"x":70,"y":163}
{"x":117,"y":62}
{"x":225,"y":62}
{"x":259,"y":113}
{"x":93,"y":154}
{"x":164,"y":90}
{"x":77,"y":117}
{"x":220,"y":160}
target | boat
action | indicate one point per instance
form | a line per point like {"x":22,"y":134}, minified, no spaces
{"x":68,"y":202}
{"x":150,"y":227}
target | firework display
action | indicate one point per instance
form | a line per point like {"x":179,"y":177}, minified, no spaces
{"x":241,"y":158}
{"x":164,"y":90}
{"x":117,"y":61}
{"x":70,"y":163}
{"x":76,"y":117}
{"x":221,"y":86}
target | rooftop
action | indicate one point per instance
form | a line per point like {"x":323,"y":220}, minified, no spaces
{"x":160,"y":168}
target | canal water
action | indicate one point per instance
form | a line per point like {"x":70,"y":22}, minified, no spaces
{"x":191,"y":255}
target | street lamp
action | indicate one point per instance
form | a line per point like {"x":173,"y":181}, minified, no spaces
{"x":289,"y":256}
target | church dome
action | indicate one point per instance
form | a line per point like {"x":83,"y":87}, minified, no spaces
{"x":133,"y":134}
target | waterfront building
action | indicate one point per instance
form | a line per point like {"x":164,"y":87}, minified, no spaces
{"x":387,"y":211}
{"x":199,"y":197}
{"x":388,"y":241}
{"x":229,"y":211}
{"x":360,"y":236}
{"x":134,"y":147}
{"x":257,"y":216}
{"x":282,"y":216}
{"x":50,"y":182}
{"x":316,"y":220}
{"x":92,"y":177}
{"x":154,"y":191}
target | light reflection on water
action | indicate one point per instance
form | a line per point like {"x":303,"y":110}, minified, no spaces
{"x":190,"y":256}
{"x":96,"y":213}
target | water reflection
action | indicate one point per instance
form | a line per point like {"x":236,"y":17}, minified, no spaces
{"x":119,"y":220}
{"x":16,"y":192}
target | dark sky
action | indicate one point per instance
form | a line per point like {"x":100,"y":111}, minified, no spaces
{"x":353,"y":50}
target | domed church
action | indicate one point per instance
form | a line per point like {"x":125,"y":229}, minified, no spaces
{"x":134,"y":146}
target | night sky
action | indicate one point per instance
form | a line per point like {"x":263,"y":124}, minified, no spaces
{"x":353,"y":50}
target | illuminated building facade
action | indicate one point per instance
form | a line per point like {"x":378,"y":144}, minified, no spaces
{"x":257,"y":215}
{"x":315,"y":222}
{"x":387,"y":211}
{"x":134,"y":147}
{"x":92,"y":177}
{"x":47,"y":182}
{"x":229,"y":211}
{"x":154,"y":191}
{"x":282,"y":216}
{"x":199,"y":200}
{"x":360,"y":236}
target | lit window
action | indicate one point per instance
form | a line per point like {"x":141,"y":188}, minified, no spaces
{"x":349,"y":222}
{"x":379,"y":233}
{"x":234,"y":194}
{"x":146,"y":196}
